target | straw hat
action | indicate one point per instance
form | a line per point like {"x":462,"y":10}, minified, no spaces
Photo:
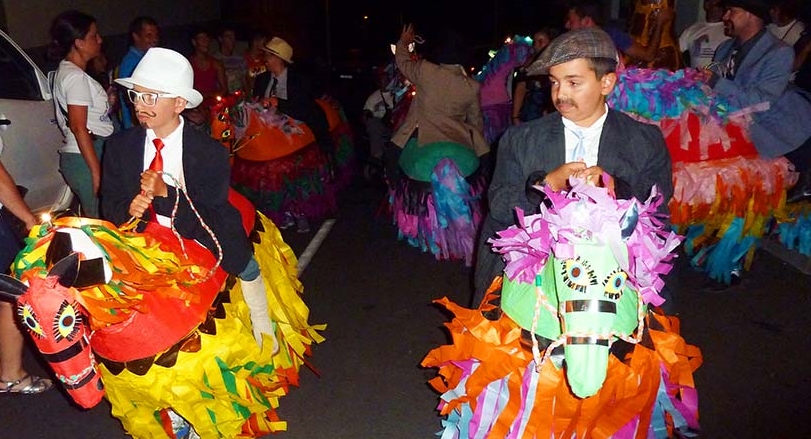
{"x":280,"y":48}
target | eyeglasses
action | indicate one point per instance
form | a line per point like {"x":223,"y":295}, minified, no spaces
{"x":147,"y":98}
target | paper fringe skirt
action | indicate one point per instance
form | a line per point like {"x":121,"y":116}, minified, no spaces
{"x":490,"y":387}
{"x":441,"y":216}
{"x":793,"y":228}
{"x":726,"y":196}
{"x":299,"y":182}
{"x":221,"y":382}
{"x":724,"y":207}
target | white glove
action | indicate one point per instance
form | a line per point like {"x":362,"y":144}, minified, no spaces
{"x":256,"y":298}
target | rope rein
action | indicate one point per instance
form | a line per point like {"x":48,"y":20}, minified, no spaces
{"x":178,"y":190}
{"x":541,"y":301}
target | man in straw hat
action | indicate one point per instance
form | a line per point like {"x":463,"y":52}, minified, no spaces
{"x":143,"y":168}
{"x":583,"y":139}
{"x":295,"y":95}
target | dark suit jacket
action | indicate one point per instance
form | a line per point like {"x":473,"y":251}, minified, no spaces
{"x":632,"y":152}
{"x":207,"y":175}
{"x":300,"y":103}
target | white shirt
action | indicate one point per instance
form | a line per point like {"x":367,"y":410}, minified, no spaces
{"x":700,"y":40}
{"x":72,"y":86}
{"x":377,"y":103}
{"x":591,"y":139}
{"x":789,"y":33}
{"x":281,"y":85}
{"x":172,"y":154}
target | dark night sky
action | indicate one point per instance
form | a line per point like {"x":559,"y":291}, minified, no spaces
{"x":483,"y":23}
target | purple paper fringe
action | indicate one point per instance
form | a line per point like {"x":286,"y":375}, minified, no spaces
{"x":589,"y":213}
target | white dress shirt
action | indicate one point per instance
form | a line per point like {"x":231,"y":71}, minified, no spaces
{"x":281,"y":85}
{"x":591,"y":140}
{"x":172,"y":154}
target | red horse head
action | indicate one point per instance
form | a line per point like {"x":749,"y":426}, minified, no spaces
{"x":49,"y":310}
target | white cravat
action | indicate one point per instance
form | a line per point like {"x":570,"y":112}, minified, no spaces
{"x":578,"y":153}
{"x":583,"y":143}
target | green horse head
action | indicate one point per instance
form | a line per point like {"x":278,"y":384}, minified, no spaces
{"x":585,"y":306}
{"x":581,"y":273}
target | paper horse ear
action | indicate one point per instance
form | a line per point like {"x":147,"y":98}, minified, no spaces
{"x":89,"y":272}
{"x":11,"y":288}
{"x":60,"y":247}
{"x":66,"y":270}
{"x":629,"y":220}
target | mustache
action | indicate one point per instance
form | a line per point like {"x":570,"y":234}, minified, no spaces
{"x":564,"y":102}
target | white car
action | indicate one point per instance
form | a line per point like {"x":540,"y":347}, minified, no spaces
{"x":28,"y":132}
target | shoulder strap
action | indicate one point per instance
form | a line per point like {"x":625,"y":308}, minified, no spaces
{"x":382,"y":97}
{"x":57,"y":105}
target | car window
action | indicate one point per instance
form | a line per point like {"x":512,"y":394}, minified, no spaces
{"x":19,"y":79}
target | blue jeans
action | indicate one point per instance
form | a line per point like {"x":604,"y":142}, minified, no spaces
{"x":251,"y":270}
{"x":10,"y":244}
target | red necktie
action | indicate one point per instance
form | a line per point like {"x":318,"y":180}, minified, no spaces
{"x":157,"y":162}
{"x":157,"y":166}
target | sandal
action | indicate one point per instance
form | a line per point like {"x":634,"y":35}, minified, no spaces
{"x":35,"y":385}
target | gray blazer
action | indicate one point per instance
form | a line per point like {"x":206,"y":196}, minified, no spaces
{"x":764,"y":76}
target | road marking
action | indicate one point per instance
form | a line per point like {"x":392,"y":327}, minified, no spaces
{"x":312,"y":247}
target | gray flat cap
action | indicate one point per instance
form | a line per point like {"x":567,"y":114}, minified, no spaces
{"x":579,"y":43}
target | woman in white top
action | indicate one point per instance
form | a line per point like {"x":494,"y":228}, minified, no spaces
{"x":82,"y":108}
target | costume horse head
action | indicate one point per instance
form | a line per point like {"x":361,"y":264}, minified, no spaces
{"x":51,"y":313}
{"x":495,"y":95}
{"x":581,"y":273}
{"x":166,"y":330}
{"x":495,"y":74}
{"x":75,"y":300}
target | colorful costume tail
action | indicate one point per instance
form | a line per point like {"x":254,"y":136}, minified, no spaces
{"x":441,"y":216}
{"x":725,"y":194}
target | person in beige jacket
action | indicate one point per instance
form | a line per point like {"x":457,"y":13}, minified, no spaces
{"x":446,"y":107}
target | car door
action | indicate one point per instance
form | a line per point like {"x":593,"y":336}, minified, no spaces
{"x":28,"y":130}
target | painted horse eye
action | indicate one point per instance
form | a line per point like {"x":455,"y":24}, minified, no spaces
{"x":578,"y":274}
{"x":614,"y":284}
{"x":66,"y":322}
{"x":29,"y":318}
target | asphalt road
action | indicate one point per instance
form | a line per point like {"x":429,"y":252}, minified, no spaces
{"x":374,"y":293}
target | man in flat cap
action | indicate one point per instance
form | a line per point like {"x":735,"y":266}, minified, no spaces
{"x":755,"y":67}
{"x":583,"y":139}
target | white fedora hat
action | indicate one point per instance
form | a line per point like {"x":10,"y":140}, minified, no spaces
{"x":167,"y":71}
{"x":280,"y":48}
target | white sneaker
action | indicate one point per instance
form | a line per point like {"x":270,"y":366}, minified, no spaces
{"x":302,"y":225}
{"x":288,"y":221}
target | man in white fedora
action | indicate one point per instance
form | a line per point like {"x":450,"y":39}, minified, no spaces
{"x":295,"y":94}
{"x":160,"y":88}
